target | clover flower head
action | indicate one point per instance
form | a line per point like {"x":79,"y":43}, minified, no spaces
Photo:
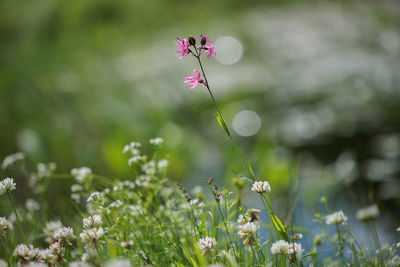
{"x":183,"y":47}
{"x":297,"y":236}
{"x":295,"y":249}
{"x":3,"y":225}
{"x":248,"y":232}
{"x":336,"y":218}
{"x":280,"y":247}
{"x":31,"y":204}
{"x":193,"y":80}
{"x":7,"y":185}
{"x":26,"y":253}
{"x":368,"y":213}
{"x":64,"y":234}
{"x":92,"y":221}
{"x":207,"y":244}
{"x":91,"y":237}
{"x":261,"y":187}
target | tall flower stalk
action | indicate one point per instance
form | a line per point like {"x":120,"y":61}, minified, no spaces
{"x":207,"y":48}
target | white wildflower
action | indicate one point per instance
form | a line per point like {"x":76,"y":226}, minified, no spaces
{"x":76,"y":197}
{"x":280,"y":247}
{"x":116,"y":204}
{"x":398,"y":245}
{"x":82,"y":174}
{"x":46,"y":170}
{"x":156,"y":141}
{"x":132,"y":147}
{"x":56,"y":251}
{"x":7,"y":185}
{"x":248,"y":232}
{"x":76,"y":188}
{"x":64,"y":234}
{"x":261,"y":187}
{"x":207,"y":244}
{"x":32,"y":205}
{"x":368,"y":213}
{"x":91,"y":237}
{"x":134,"y":159}
{"x":95,"y":197}
{"x":295,"y":249}
{"x":162,"y":164}
{"x":241,"y":219}
{"x":398,"y":229}
{"x":26,"y":253}
{"x":336,"y":218}
{"x":297,"y":236}
{"x":3,"y":263}
{"x":92,"y":221}
{"x":11,"y":159}
{"x":51,"y":227}
{"x":143,"y":180}
{"x":3,"y":225}
{"x":149,"y":167}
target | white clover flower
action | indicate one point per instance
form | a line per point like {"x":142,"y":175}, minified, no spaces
{"x":91,"y":237}
{"x":297,"y":236}
{"x":87,"y":256}
{"x":156,"y":141}
{"x":3,"y":225}
{"x":368,"y":213}
{"x":47,"y":255}
{"x":3,"y":263}
{"x":134,"y":159}
{"x":248,"y":232}
{"x":207,"y":244}
{"x":51,"y":227}
{"x":31,"y":204}
{"x":261,"y":187}
{"x":64,"y":234}
{"x":295,"y":249}
{"x":26,"y":253}
{"x":398,"y":229}
{"x":11,"y":159}
{"x":398,"y":245}
{"x":81,"y":174}
{"x":241,"y":219}
{"x":7,"y":185}
{"x":143,"y":180}
{"x":280,"y":247}
{"x":92,"y":221}
{"x":336,"y":218}
{"x":57,"y":251}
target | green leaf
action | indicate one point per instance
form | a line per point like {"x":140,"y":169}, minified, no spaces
{"x":280,"y":227}
{"x":244,"y":178}
{"x":222,"y":123}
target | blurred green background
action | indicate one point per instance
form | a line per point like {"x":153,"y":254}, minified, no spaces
{"x":80,"y":79}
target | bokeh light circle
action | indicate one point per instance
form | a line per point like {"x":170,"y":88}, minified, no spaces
{"x":229,"y":50}
{"x":246,"y":123}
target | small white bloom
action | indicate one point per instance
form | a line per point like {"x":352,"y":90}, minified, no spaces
{"x":156,"y":141}
{"x":76,"y":197}
{"x":336,"y":218}
{"x":398,"y":229}
{"x":3,"y":225}
{"x":26,"y":253}
{"x":64,"y":234}
{"x":11,"y":159}
{"x":92,"y":221}
{"x":95,"y":197}
{"x":132,"y":147}
{"x":248,"y":232}
{"x":7,"y":185}
{"x":149,"y":167}
{"x":82,"y":174}
{"x":368,"y":213}
{"x":79,"y":264}
{"x":91,"y":237}
{"x":295,"y":248}
{"x":297,"y":236}
{"x":162,"y":164}
{"x":76,"y":188}
{"x":280,"y":247}
{"x":207,"y":244}
{"x":3,"y":263}
{"x":134,"y":159}
{"x":261,"y":187}
{"x":32,"y":204}
{"x":127,"y":244}
{"x":51,"y":227}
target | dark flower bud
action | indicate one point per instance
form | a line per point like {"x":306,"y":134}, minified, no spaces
{"x":192,"y":41}
{"x":203,"y":40}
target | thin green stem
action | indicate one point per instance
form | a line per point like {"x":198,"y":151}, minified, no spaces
{"x":227,"y":231}
{"x":16,"y":215}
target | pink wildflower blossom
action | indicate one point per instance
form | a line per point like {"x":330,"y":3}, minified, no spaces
{"x":184,"y":47}
{"x":210,"y":49}
{"x":193,"y":80}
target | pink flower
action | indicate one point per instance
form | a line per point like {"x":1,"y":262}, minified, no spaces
{"x":210,"y":49}
{"x":193,"y":80}
{"x":184,"y":47}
